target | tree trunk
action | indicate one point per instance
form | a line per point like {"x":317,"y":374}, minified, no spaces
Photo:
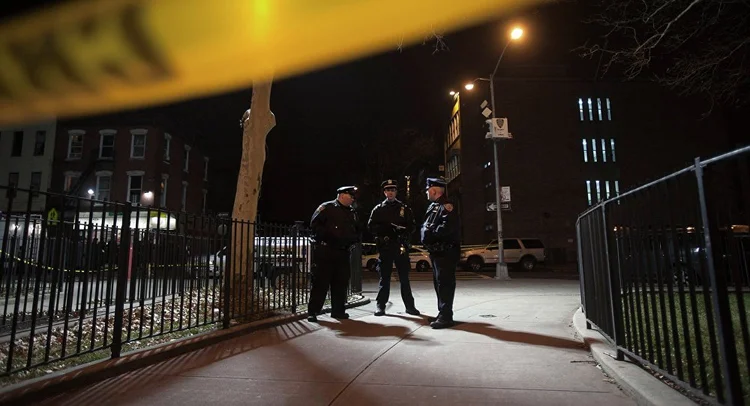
{"x":257,"y":122}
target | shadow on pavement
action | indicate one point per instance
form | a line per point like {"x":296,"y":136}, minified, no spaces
{"x":162,"y":373}
{"x":522,"y":337}
{"x":358,"y":328}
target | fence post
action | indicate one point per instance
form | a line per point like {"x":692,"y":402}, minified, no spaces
{"x":122,"y":276}
{"x":226,"y":270}
{"x":295,"y":267}
{"x":730,"y":369}
{"x":614,"y":291}
{"x":581,"y":272}
{"x":355,"y":260}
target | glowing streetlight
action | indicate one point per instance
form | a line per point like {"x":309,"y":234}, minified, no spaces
{"x":91,"y":192}
{"x":452,"y":93}
{"x":469,"y":86}
{"x":516,"y":33}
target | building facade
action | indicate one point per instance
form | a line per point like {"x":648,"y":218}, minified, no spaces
{"x":145,"y":165}
{"x":574,"y":143}
{"x":26,"y":157}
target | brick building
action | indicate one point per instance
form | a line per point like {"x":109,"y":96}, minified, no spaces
{"x":146,"y":164}
{"x":575,"y":142}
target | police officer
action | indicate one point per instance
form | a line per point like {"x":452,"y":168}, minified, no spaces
{"x":392,"y":224}
{"x":441,"y":237}
{"x":335,"y":229}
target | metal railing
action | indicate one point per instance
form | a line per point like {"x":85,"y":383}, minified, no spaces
{"x":93,"y":276}
{"x":665,"y":275}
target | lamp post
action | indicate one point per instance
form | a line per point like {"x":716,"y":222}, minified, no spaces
{"x":501,"y":270}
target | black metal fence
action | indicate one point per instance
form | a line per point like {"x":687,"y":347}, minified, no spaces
{"x":665,"y":275}
{"x":82,"y":276}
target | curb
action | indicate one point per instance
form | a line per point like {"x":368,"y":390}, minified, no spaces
{"x":38,"y":389}
{"x":632,"y":379}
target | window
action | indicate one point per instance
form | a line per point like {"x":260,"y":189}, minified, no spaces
{"x":606,"y":188}
{"x":588,"y":191}
{"x":17,"y":149}
{"x":107,"y":144}
{"x":163,"y":190}
{"x":135,"y":186}
{"x":604,"y":151}
{"x":593,"y":149}
{"x":167,"y":145}
{"x":75,"y":144}
{"x":71,"y":178}
{"x":186,"y":166}
{"x":599,"y":107}
{"x":612,"y":149}
{"x":591,"y":110}
{"x":585,"y":151}
{"x":205,"y":198}
{"x":598,"y":191}
{"x":454,"y":130}
{"x":36,"y":183}
{"x":138,"y":144}
{"x":39,"y":141}
{"x":532,"y":243}
{"x":609,"y":110}
{"x":183,"y":204}
{"x":511,"y":245}
{"x":13,"y":179}
{"x":103,"y":185}
{"x":617,"y":187}
{"x":580,"y":107}
{"x":205,"y":168}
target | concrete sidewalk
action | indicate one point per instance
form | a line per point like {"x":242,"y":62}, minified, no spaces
{"x":514,"y":345}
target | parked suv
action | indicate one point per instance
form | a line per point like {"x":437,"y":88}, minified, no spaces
{"x":525,"y":251}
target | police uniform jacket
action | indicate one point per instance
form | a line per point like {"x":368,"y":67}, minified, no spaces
{"x":441,"y":229}
{"x":335,"y":225}
{"x":385,"y":215}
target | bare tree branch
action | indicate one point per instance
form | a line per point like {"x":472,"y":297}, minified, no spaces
{"x":694,"y":46}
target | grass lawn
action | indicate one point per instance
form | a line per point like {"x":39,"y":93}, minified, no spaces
{"x":683,"y":341}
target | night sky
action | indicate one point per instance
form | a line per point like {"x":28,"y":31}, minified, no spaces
{"x":323,"y":117}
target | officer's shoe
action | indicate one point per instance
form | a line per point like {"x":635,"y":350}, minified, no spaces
{"x":342,"y":316}
{"x":312,"y":318}
{"x":441,"y":323}
{"x":380,"y":311}
{"x":413,"y":311}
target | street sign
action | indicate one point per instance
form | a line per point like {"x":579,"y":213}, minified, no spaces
{"x":505,"y":194}
{"x":52,"y":216}
{"x":492,"y":206}
{"x":505,"y":206}
{"x":498,"y":128}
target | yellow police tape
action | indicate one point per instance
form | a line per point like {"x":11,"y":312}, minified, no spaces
{"x":50,"y":268}
{"x":94,"y":56}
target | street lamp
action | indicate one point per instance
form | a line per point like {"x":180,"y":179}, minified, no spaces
{"x":91,"y":192}
{"x":501,"y":270}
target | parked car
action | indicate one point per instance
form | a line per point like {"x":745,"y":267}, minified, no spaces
{"x":419,"y":258}
{"x":272,"y":259}
{"x":527,"y":252}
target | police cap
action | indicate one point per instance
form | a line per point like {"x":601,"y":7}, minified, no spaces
{"x":439,"y":182}
{"x":351,"y":190}
{"x":390,"y":183}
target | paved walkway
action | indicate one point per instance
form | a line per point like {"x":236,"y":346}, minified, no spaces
{"x":514,"y":345}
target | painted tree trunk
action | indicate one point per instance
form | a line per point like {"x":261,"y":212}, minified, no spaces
{"x":257,"y":122}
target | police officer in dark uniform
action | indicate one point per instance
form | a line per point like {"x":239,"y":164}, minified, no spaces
{"x":441,"y":236}
{"x":392,"y":224}
{"x":335,"y":229}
